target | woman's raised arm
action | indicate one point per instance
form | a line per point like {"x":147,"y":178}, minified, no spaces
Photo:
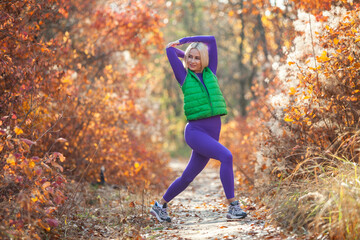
{"x":173,"y":55}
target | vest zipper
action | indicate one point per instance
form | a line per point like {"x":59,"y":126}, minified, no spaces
{"x":207,"y":91}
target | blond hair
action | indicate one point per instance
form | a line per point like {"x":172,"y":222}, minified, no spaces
{"x":204,"y":54}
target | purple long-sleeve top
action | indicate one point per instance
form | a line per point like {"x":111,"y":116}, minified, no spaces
{"x":174,"y":54}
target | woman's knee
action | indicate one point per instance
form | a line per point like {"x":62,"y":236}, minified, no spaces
{"x":186,"y":179}
{"x":227,"y":158}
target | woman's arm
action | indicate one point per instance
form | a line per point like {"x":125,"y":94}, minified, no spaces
{"x":173,"y":55}
{"x":212,"y":48}
{"x":180,"y":53}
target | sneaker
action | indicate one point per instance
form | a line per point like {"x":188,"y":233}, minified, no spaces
{"x":160,"y":212}
{"x":235,"y":211}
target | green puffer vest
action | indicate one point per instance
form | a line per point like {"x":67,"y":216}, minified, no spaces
{"x":201,"y":102}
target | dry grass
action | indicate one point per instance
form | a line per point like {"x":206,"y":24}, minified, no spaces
{"x":327,"y":205}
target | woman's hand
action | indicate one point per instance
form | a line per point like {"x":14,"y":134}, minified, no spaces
{"x":173,"y":44}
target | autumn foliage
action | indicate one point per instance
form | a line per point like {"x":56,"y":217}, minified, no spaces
{"x":315,"y":107}
{"x":72,"y":100}
{"x":301,"y":133}
{"x":307,"y":125}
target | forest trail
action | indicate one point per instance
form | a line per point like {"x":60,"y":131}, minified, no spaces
{"x":200,"y":213}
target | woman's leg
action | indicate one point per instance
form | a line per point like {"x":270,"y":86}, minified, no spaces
{"x":207,"y":146}
{"x":195,"y":166}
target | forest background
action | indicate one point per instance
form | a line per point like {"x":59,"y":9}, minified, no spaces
{"x":86,"y":86}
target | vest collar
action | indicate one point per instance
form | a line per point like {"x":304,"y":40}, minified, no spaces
{"x":194,"y":74}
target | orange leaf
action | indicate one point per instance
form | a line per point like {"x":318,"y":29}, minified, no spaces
{"x":45,"y":185}
{"x":323,"y":57}
{"x":31,"y":164}
{"x":43,"y":225}
{"x":57,"y":166}
{"x":18,"y":131}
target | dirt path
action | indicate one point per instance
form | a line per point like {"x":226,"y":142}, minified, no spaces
{"x":199,"y":213}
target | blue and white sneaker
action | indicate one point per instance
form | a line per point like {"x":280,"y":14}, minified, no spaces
{"x":235,"y":211}
{"x":160,"y":212}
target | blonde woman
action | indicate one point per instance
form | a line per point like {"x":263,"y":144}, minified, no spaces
{"x":204,"y":104}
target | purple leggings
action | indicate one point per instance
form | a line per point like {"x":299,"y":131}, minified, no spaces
{"x":203,"y":136}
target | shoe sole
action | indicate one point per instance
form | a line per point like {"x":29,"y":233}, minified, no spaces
{"x":232,"y":217}
{"x":157,"y":216}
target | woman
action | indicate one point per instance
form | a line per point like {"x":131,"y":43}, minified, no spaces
{"x":203,"y":106}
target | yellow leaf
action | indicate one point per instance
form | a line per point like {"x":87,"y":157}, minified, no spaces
{"x":292,"y":91}
{"x":336,"y":41}
{"x":66,"y":79}
{"x":291,"y":63}
{"x":288,"y":119}
{"x":323,"y":57}
{"x":18,"y":131}
{"x":11,"y":160}
{"x":108,"y":67}
{"x":350,"y":58}
{"x":357,"y":40}
{"x":353,"y":99}
{"x":137,"y":165}
{"x":310,"y":89}
{"x":306,"y":97}
{"x":231,"y":13}
{"x":31,"y":164}
{"x":34,"y":199}
{"x":62,"y":158}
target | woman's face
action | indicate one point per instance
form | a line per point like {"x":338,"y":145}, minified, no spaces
{"x":194,"y":60}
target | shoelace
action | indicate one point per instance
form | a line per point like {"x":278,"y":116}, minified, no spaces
{"x":237,"y":209}
{"x":163,"y":213}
